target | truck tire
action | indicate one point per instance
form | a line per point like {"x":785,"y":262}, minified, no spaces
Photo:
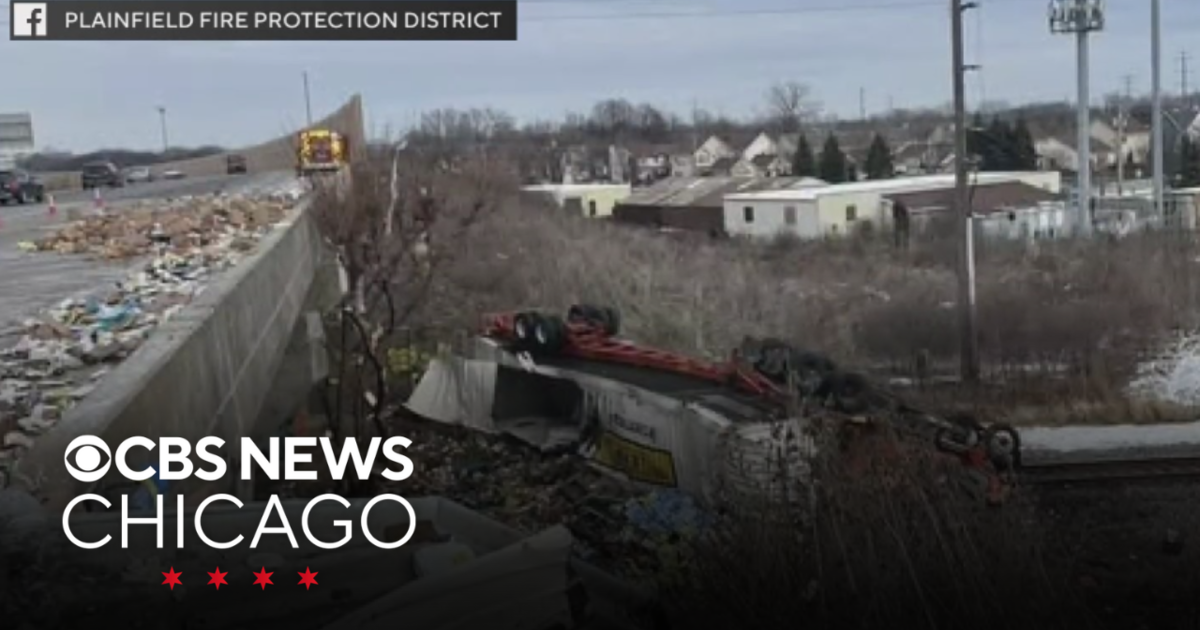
{"x":549,"y":333}
{"x":1003,"y":445}
{"x":607,"y":319}
{"x":523,"y":326}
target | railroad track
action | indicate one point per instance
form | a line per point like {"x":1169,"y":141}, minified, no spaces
{"x":1107,"y":471}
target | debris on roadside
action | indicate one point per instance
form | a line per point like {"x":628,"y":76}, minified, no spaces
{"x":617,"y":526}
{"x":62,"y":353}
{"x":178,"y":226}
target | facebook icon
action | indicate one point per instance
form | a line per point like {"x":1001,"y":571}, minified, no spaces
{"x":28,"y":19}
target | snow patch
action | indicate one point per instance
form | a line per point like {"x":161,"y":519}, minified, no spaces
{"x":1173,"y":376}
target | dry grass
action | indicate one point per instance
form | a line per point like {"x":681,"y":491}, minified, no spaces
{"x":1062,"y":324}
{"x":902,"y":544}
{"x":898,"y":545}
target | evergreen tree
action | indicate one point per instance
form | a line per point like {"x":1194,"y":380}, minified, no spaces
{"x":1024,"y":149}
{"x":833,"y":161}
{"x":996,"y":147}
{"x":803,"y":162}
{"x":1189,"y":163}
{"x":879,"y":159}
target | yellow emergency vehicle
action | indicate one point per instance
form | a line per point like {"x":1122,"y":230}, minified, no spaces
{"x":321,"y":150}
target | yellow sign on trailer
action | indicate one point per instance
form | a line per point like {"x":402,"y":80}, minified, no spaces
{"x":321,"y":150}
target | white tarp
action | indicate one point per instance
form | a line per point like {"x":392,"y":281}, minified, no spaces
{"x":457,"y":391}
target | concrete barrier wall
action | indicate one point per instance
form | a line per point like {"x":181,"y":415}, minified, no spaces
{"x":274,"y":155}
{"x":205,"y":372}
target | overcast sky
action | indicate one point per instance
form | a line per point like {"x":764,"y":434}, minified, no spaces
{"x":87,"y":95}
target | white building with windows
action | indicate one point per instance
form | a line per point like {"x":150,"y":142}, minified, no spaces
{"x":840,"y":209}
{"x":16,"y":138}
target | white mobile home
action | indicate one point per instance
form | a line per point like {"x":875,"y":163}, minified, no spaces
{"x":839,"y":209}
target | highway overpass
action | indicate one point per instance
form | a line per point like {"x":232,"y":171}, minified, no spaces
{"x":229,"y":364}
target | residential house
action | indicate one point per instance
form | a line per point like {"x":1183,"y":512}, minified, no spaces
{"x":581,"y":164}
{"x":840,"y":209}
{"x":1055,"y":141}
{"x":588,"y":200}
{"x":765,"y":165}
{"x":713,"y":151}
{"x":1055,"y":155}
{"x":722,"y":167}
{"x":683,"y":165}
{"x":762,"y":144}
{"x":694,"y":203}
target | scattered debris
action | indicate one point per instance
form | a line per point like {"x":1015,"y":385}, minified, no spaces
{"x":62,"y":353}
{"x":181,"y":225}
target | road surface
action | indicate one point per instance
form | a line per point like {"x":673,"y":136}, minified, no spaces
{"x":30,"y":282}
{"x":150,"y":190}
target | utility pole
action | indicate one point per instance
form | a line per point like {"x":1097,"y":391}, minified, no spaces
{"x":1156,"y":97}
{"x":1183,"y":78}
{"x":1081,"y":18}
{"x":307,"y":100}
{"x":1122,"y":123}
{"x":162,"y":120}
{"x":862,"y":103}
{"x":969,"y":337}
{"x":695,"y":127}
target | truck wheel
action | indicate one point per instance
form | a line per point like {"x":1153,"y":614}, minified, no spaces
{"x":1003,"y":445}
{"x":605,"y":318}
{"x":613,"y":317}
{"x":549,"y":333}
{"x":523,"y":325}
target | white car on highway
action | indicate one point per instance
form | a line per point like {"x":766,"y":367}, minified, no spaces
{"x":138,"y":175}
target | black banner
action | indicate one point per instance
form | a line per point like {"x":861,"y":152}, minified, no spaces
{"x":264,"y":20}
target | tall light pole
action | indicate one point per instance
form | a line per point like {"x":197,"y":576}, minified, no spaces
{"x":1081,"y":17}
{"x":162,"y":119}
{"x":969,"y":338}
{"x":1156,"y":97}
{"x":307,"y":100}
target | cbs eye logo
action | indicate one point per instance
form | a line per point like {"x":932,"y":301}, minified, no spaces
{"x":87,"y":458}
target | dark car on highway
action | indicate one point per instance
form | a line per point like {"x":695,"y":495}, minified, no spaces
{"x":235,"y":164}
{"x":20,"y":187}
{"x":102,"y":174}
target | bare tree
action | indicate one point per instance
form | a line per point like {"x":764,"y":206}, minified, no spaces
{"x":394,"y":222}
{"x":791,"y":105}
{"x":613,"y":117}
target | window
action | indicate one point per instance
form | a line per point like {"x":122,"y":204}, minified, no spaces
{"x":789,"y":215}
{"x":748,"y":214}
{"x":591,"y":207}
{"x":851,"y":213}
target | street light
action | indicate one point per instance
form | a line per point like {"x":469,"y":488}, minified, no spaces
{"x":162,"y":118}
{"x":1081,"y":18}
